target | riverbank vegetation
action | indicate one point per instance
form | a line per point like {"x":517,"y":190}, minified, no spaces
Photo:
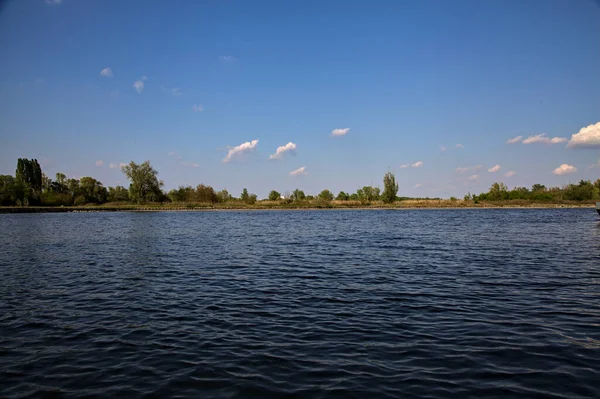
{"x":30,"y":187}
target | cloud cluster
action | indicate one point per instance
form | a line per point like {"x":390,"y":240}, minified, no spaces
{"x":541,"y":138}
{"x":468,"y":168}
{"x":514,"y":140}
{"x":227,"y":58}
{"x":193,"y":165}
{"x":138,"y":85}
{"x":116,"y":166}
{"x":587,"y":137}
{"x":197,"y":108}
{"x":340,"y":132}
{"x":595,"y":165}
{"x":106,"y":72}
{"x":299,"y":172}
{"x":473,"y":177}
{"x":564,"y":169}
{"x":289,"y":147}
{"x":418,"y":185}
{"x":460,"y":146}
{"x":53,"y":2}
{"x":538,"y":138}
{"x":99,"y":162}
{"x":510,"y":173}
{"x":417,"y":164}
{"x":494,"y":169}
{"x":240,"y":149}
{"x":174,"y":154}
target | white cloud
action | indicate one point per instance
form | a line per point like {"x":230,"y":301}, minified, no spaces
{"x":53,"y":2}
{"x":473,"y":177}
{"x":106,"y":72}
{"x":587,"y":137}
{"x":494,"y":169}
{"x":116,"y":165}
{"x":193,"y":165}
{"x":417,"y":164}
{"x":175,"y":154}
{"x":138,"y":85}
{"x":596,"y":165}
{"x":289,"y":147}
{"x":240,"y":149}
{"x":340,"y":132}
{"x":564,"y":169}
{"x":175,"y":92}
{"x":197,"y":107}
{"x":418,"y":185}
{"x":144,"y":78}
{"x":510,"y":173}
{"x":556,"y":140}
{"x":99,"y":162}
{"x":541,"y":138}
{"x":299,"y":172}
{"x":468,"y":168}
{"x":460,"y":146}
{"x":442,"y":148}
{"x":227,"y":58}
{"x":514,"y":140}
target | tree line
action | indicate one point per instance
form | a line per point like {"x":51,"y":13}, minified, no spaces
{"x":585,"y":190}
{"x":30,"y":186}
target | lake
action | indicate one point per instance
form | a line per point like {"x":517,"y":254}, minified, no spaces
{"x":306,"y":304}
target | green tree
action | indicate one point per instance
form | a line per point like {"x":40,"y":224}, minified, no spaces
{"x":390,"y":188}
{"x":538,"y":188}
{"x":145,"y":186}
{"x":118,"y":194}
{"x":223,"y":196}
{"x":92,"y":190}
{"x":342,"y":196}
{"x":368,"y":194}
{"x":498,"y":192}
{"x":206,"y":194}
{"x":182,"y":194}
{"x":519,"y":193}
{"x":326,"y":195}
{"x":249,"y":199}
{"x":583,"y":191}
{"x":298,"y":195}
{"x":244,"y":196}
{"x":28,"y":176}
{"x":274,"y":196}
{"x":73,"y":188}
{"x":8,"y":195}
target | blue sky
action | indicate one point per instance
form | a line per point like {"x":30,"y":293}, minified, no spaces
{"x":431,"y":90}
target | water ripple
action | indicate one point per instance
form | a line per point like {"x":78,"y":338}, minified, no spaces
{"x":316,"y":304}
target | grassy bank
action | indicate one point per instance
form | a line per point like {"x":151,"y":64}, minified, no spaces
{"x":313,"y":204}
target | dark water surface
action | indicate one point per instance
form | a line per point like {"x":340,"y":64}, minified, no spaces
{"x":314,"y":304}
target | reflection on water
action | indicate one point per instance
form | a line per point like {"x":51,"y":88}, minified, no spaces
{"x":429,"y":303}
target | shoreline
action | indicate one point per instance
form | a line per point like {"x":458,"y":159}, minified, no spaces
{"x":332,"y":207}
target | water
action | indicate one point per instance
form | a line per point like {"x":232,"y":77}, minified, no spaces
{"x":314,"y":304}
